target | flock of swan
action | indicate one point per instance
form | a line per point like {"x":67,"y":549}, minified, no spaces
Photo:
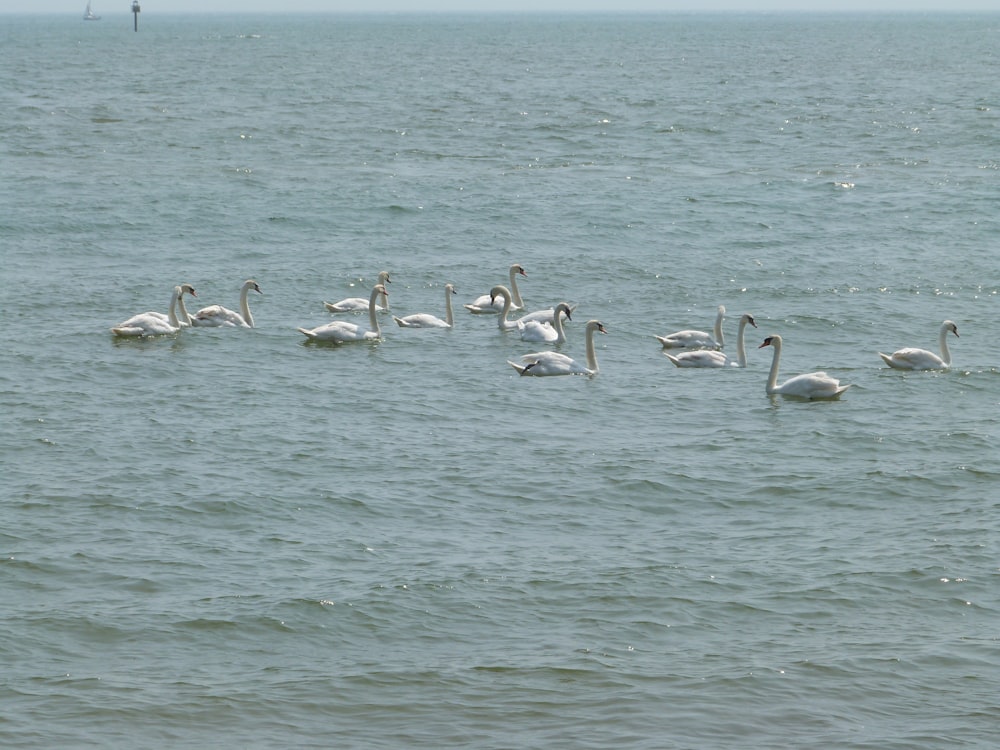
{"x":687,"y":348}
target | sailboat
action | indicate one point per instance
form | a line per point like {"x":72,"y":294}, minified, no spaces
{"x":88,"y":15}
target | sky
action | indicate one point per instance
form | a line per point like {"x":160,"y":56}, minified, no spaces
{"x":114,"y":7}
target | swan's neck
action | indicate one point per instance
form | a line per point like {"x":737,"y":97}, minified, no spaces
{"x":449,"y":317}
{"x":741,"y":352}
{"x":185,"y":317}
{"x":372,"y":317}
{"x":591,"y":351}
{"x":557,"y":324}
{"x":772,"y":378}
{"x":943,"y":341}
{"x":515,"y":294}
{"x":172,"y":311}
{"x":502,"y":318}
{"x":719,"y":337}
{"x":245,"y":306}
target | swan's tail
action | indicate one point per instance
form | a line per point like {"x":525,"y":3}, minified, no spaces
{"x":521,"y":369}
{"x":120,"y":331}
{"x":310,"y":334}
{"x":672,"y":358}
{"x":886,"y":358}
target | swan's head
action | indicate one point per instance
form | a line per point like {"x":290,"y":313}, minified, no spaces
{"x":449,"y":288}
{"x":251,"y":284}
{"x":383,"y":277}
{"x":949,"y":326}
{"x":747,"y":317}
{"x":562,"y":307}
{"x":596,"y":325}
{"x":379,"y":289}
{"x":519,"y":269}
{"x":187,"y":288}
{"x":771,"y":341}
{"x":499,"y":291}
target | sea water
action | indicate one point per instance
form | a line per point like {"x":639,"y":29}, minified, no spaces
{"x":231,"y":537}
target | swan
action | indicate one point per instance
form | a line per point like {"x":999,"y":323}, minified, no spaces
{"x":426,"y":320}
{"x":696,"y":339}
{"x":502,"y":323}
{"x":552,"y":333}
{"x":713,"y":357}
{"x":354,"y":304}
{"x":541,"y":364}
{"x":921,"y":359}
{"x":811,"y":385}
{"x":486,"y":304}
{"x":343,"y":331}
{"x":154,"y":323}
{"x":218,"y":316}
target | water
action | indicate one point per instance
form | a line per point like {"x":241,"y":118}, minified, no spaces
{"x":230,"y":537}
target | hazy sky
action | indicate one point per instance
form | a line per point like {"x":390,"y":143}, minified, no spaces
{"x":115,"y":7}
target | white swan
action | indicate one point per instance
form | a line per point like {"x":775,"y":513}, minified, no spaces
{"x":921,"y":359}
{"x":713,"y":357}
{"x":810,"y":385}
{"x":342,"y":331}
{"x":218,"y":316}
{"x":426,"y":320}
{"x":354,"y":304}
{"x":697,"y":339}
{"x":486,"y":304}
{"x":154,"y":323}
{"x":552,"y":333}
{"x":541,"y":364}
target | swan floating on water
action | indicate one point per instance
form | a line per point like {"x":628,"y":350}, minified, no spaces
{"x":155,"y":323}
{"x":811,"y":385}
{"x":342,"y":331}
{"x":713,"y":357}
{"x":911,"y":358}
{"x":542,"y":364}
{"x":552,"y":333}
{"x":690,"y":339}
{"x":355,"y":304}
{"x":487,"y":304}
{"x":426,"y":320}
{"x":218,"y":316}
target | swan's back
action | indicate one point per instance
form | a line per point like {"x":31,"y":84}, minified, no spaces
{"x":218,"y":316}
{"x":700,"y":358}
{"x":421,"y":320}
{"x":912,"y":358}
{"x":144,"y":324}
{"x":688,"y":340}
{"x":812,"y":385}
{"x":339,"y":330}
{"x":543,"y":364}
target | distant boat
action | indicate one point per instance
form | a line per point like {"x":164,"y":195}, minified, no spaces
{"x":88,"y":15}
